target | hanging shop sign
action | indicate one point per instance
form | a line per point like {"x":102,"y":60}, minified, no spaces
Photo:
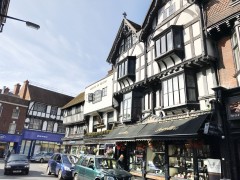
{"x":212,"y":129}
{"x":233,"y":108}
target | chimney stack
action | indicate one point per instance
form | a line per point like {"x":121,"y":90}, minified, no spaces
{"x":6,"y":90}
{"x":16,"y":89}
{"x":23,"y":90}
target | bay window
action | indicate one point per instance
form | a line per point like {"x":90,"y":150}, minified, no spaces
{"x":127,"y":106}
{"x":169,"y":41}
{"x":126,"y":68}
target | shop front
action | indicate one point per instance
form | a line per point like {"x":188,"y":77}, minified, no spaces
{"x":34,"y":142}
{"x":172,"y":149}
{"x":9,"y":142}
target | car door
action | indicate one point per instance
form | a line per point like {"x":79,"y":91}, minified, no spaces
{"x":54,"y":163}
{"x":90,"y":169}
{"x":51,"y":162}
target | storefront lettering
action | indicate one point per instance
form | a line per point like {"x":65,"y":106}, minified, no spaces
{"x":41,"y":136}
{"x":167,"y":129}
{"x":125,"y":132}
{"x":2,"y":136}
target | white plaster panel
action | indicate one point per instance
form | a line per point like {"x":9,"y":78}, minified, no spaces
{"x":186,"y":35}
{"x":200,"y":83}
{"x":210,"y":81}
{"x":48,"y":115}
{"x":188,"y":51}
{"x":196,"y":29}
{"x":149,"y":71}
{"x":169,"y":62}
{"x":149,"y":55}
{"x":163,"y":67}
{"x":106,"y":100}
{"x":142,"y":61}
{"x":137,"y":63}
{"x":137,"y":76}
{"x":187,"y":15}
{"x":155,"y":68}
{"x":198,"y":47}
{"x":142,"y":75}
{"x":48,"y":109}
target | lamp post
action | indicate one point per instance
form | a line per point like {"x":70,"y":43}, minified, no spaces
{"x":28,"y":23}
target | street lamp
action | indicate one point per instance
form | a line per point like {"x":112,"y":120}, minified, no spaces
{"x":29,"y":24}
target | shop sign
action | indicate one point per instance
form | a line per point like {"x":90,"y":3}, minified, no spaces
{"x":167,"y":129}
{"x":233,"y":108}
{"x":211,"y":129}
{"x":2,"y":136}
{"x":213,"y":165}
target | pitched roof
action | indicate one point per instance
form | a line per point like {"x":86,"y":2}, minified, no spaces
{"x":220,"y":10}
{"x":78,"y":99}
{"x":125,"y":22}
{"x":13,"y":99}
{"x":48,"y":97}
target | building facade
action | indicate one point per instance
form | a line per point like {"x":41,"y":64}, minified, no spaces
{"x":99,"y":113}
{"x":223,"y":27}
{"x":75,"y":125}
{"x":13,"y":112}
{"x":164,"y":72}
{"x":44,"y":121}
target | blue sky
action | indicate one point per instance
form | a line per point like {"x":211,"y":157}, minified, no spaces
{"x":70,"y":49}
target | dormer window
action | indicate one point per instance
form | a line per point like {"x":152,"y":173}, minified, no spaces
{"x":126,"y":68}
{"x":171,"y":40}
{"x":125,"y":44}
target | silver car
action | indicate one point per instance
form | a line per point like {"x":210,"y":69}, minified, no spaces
{"x":41,"y":157}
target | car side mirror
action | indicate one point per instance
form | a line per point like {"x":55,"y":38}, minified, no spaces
{"x":91,"y":166}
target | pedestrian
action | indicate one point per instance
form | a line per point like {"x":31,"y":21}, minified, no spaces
{"x":120,"y":163}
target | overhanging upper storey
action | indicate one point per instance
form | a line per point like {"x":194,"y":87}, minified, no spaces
{"x":126,"y":37}
{"x":169,"y":44}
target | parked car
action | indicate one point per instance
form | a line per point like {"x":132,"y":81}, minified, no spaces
{"x":61,"y":165}
{"x":16,"y":163}
{"x":92,"y":167}
{"x":41,"y":157}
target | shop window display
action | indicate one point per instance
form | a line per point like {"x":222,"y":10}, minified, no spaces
{"x":181,"y":159}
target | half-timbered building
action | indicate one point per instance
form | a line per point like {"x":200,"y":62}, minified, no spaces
{"x":164,"y":72}
{"x":75,"y":125}
{"x":44,"y":121}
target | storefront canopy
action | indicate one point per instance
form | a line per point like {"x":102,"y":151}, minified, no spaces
{"x":170,"y":129}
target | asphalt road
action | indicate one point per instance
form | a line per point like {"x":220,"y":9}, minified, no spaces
{"x":37,"y":171}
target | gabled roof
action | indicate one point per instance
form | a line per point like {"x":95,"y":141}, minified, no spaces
{"x":13,"y":99}
{"x":45,"y":96}
{"x":78,"y":99}
{"x":219,"y":11}
{"x":125,"y":22}
{"x":147,"y":23}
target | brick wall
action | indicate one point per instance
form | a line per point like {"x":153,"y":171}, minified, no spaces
{"x":226,"y":64}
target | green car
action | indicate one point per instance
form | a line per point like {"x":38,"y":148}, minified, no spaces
{"x":91,"y":167}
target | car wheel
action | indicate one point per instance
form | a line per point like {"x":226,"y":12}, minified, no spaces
{"x":41,"y":160}
{"x":48,"y":171}
{"x":76,"y":177}
{"x":5,"y":172}
{"x":60,"y":174}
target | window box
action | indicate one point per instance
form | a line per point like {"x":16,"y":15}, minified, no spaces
{"x":126,"y":68}
{"x":169,"y":42}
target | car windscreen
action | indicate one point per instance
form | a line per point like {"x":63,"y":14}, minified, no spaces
{"x":16,"y":157}
{"x":68,"y":159}
{"x":105,"y":163}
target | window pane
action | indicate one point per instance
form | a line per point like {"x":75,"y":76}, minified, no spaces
{"x":178,"y":39}
{"x":191,"y":94}
{"x":170,"y":89}
{"x":158,"y":48}
{"x":175,"y":83}
{"x":165,"y":100}
{"x":163,"y":45}
{"x":176,"y":97}
{"x":169,"y":41}
{"x":122,"y":66}
{"x":126,"y":67}
{"x":236,"y":56}
{"x":182,"y":96}
{"x":181,"y":81}
{"x":170,"y":99}
{"x":165,"y":87}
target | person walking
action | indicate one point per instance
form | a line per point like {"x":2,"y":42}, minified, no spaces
{"x":120,"y":163}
